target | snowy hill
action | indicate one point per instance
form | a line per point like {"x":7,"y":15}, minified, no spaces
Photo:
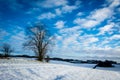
{"x":20,"y":69}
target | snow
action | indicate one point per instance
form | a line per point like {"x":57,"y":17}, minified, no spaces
{"x":86,"y":65}
{"x":22,"y":69}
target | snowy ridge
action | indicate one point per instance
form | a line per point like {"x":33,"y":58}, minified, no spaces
{"x":34,"y":70}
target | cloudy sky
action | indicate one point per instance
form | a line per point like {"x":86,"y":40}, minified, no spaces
{"x":82,"y":27}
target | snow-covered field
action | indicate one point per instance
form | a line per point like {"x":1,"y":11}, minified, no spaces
{"x":85,"y":65}
{"x":20,"y":69}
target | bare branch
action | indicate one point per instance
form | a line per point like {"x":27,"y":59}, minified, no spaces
{"x":39,"y":40}
{"x":6,"y":49}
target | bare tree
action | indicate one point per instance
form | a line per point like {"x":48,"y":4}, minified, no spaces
{"x":6,"y":49}
{"x":39,"y":39}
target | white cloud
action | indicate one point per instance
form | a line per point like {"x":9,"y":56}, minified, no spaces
{"x":117,"y":36}
{"x":58,"y":11}
{"x":70,"y":41}
{"x":79,"y":21}
{"x":94,"y":18}
{"x":3,"y":33}
{"x":106,"y":28}
{"x":109,"y":41}
{"x":84,"y":23}
{"x":71,"y":38}
{"x":67,"y":40}
{"x":92,"y":40}
{"x":51,"y":3}
{"x":78,"y":3}
{"x":79,"y":14}
{"x":19,"y":36}
{"x":88,"y":40}
{"x":114,"y":3}
{"x":33,"y":10}
{"x":65,"y":9}
{"x":48,"y":15}
{"x":90,"y":23}
{"x":71,"y":30}
{"x":17,"y":41}
{"x":68,"y":9}
{"x":60,"y":24}
{"x":58,"y":37}
{"x":101,"y":14}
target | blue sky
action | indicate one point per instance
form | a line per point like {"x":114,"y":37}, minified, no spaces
{"x":88,"y":28}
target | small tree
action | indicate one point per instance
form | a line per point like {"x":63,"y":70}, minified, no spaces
{"x":6,"y":49}
{"x":39,"y":40}
{"x":47,"y":58}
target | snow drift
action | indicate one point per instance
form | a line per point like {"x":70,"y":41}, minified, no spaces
{"x":20,"y":69}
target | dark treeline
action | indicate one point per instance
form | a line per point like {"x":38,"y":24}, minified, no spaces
{"x":82,"y":61}
{"x":26,"y":56}
{"x":61,"y":59}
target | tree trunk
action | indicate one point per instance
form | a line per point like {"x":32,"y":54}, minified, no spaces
{"x":40,"y":57}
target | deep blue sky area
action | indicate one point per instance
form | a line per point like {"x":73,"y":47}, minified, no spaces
{"x":83,"y":28}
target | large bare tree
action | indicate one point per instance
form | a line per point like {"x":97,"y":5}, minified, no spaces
{"x":6,"y":49}
{"x":38,"y":39}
